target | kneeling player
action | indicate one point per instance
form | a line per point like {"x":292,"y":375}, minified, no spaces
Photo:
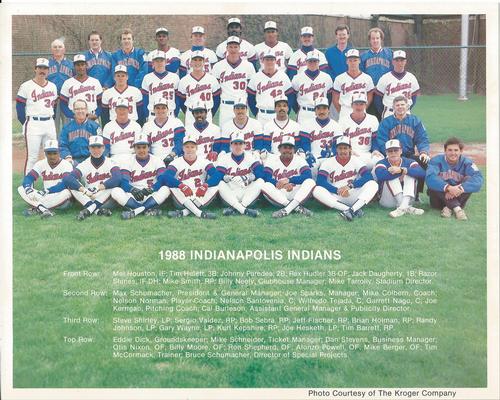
{"x":192,"y":181}
{"x":288,"y":180}
{"x":100,"y":174}
{"x":344,"y":182}
{"x":139,"y":174}
{"x":397,"y":177}
{"x":52,"y":169}
{"x":243,"y":178}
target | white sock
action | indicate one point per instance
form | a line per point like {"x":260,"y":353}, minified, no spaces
{"x":457,"y":208}
{"x":192,"y":207}
{"x":292,"y":206}
{"x":92,"y":208}
{"x":359,"y":203}
{"x":399,"y":199}
{"x":138,"y":210}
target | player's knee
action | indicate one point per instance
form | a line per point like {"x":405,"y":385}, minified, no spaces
{"x":309,"y":183}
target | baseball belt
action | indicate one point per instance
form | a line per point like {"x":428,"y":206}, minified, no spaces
{"x":40,"y":118}
{"x":307,"y":108}
{"x":267,"y":111}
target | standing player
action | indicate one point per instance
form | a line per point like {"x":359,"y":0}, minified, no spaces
{"x":344,"y":182}
{"x":288,"y":181}
{"x":310,"y":85}
{"x":247,"y":51}
{"x":99,"y":175}
{"x":396,"y":83}
{"x":336,"y":55}
{"x":139,"y":173}
{"x":198,"y":44}
{"x":265,"y":86}
{"x":282,"y":50}
{"x":99,"y":61}
{"x":207,"y":134}
{"x":52,"y":169}
{"x":242,"y":178}
{"x":121,"y":89}
{"x":81,"y":87}
{"x":35,"y":104}
{"x":131,"y":57}
{"x":192,"y":181}
{"x":350,"y":82}
{"x":297,"y":62}
{"x":198,"y":86}
{"x":233,"y":74}
{"x":397,"y":177}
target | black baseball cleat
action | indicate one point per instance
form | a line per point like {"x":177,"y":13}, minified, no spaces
{"x":29,"y":212}
{"x":279,"y":214}
{"x":175,"y":214}
{"x":128,"y":214}
{"x":104,"y":212}
{"x":46,"y":214}
{"x":359,"y":214}
{"x":153,"y":212}
{"x":304,"y":211}
{"x":347,"y":215}
{"x":208,"y":215}
{"x":83,"y":215}
{"x":251,"y":212}
{"x":228,"y":211}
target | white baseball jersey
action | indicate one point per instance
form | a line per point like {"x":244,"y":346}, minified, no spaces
{"x":51,"y":176}
{"x":89,"y":90}
{"x":275,"y":130}
{"x":391,"y":87}
{"x":247,"y":51}
{"x":321,"y":134}
{"x":281,"y":171}
{"x":160,"y":85}
{"x":39,"y":100}
{"x":208,"y":54}
{"x":194,"y":174}
{"x":227,"y":165}
{"x":171,"y":54}
{"x":233,"y":79}
{"x":143,"y":174}
{"x":281,"y":50}
{"x":361,"y":132}
{"x":341,"y":175}
{"x":205,"y":138}
{"x":249,"y":130}
{"x":161,"y":137}
{"x":346,"y":85}
{"x":131,"y":94}
{"x":194,"y":90}
{"x":266,"y":88}
{"x":298,"y":60}
{"x":93,"y":176}
{"x":121,"y":137}
{"x":309,"y":89}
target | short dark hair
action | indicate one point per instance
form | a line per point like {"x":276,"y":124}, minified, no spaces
{"x":342,"y":28}
{"x":454,"y":140}
{"x":94,"y":33}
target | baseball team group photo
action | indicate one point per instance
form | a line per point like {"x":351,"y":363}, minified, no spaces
{"x":365,"y":133}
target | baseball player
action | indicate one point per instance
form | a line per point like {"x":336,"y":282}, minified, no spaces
{"x":344,"y":182}
{"x":247,"y":51}
{"x":206,"y":133}
{"x":397,"y":177}
{"x":159,"y":83}
{"x":350,"y":82}
{"x":83,"y":87}
{"x":396,"y":83}
{"x":198,"y":86}
{"x":60,"y":69}
{"x":309,"y":85}
{"x":297,"y":62}
{"x":361,"y":128}
{"x":241,"y":124}
{"x":281,"y":50}
{"x":122,"y":90}
{"x":198,"y":44}
{"x":139,"y":174}
{"x":242,"y":178}
{"x":164,"y":132}
{"x":336,"y":55}
{"x":265,"y":86}
{"x":451,"y":179}
{"x":99,"y":61}
{"x":74,"y":138}
{"x":233,"y":74}
{"x":120,"y":134}
{"x":99,"y":175}
{"x":133,"y":58}
{"x":288,"y":181}
{"x":192,"y":180}
{"x":52,"y":169}
{"x":35,"y":104}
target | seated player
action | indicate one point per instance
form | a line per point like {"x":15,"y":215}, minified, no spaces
{"x":192,"y":180}
{"x":242,"y":178}
{"x":344,"y":182}
{"x":451,"y":178}
{"x":288,"y":181}
{"x":397,"y":177}
{"x":52,"y":169}
{"x":100,"y":175}
{"x":207,"y":134}
{"x":138,"y":177}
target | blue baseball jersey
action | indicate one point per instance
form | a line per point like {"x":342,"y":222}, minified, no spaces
{"x":413,"y":168}
{"x":99,"y":67}
{"x":440,"y":174}
{"x":337,"y":60}
{"x":59,"y":72}
{"x":410,"y":131}
{"x":74,"y":139}
{"x":133,"y":61}
{"x":376,"y":64}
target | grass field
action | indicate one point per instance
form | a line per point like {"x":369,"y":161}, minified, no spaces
{"x":43,"y":249}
